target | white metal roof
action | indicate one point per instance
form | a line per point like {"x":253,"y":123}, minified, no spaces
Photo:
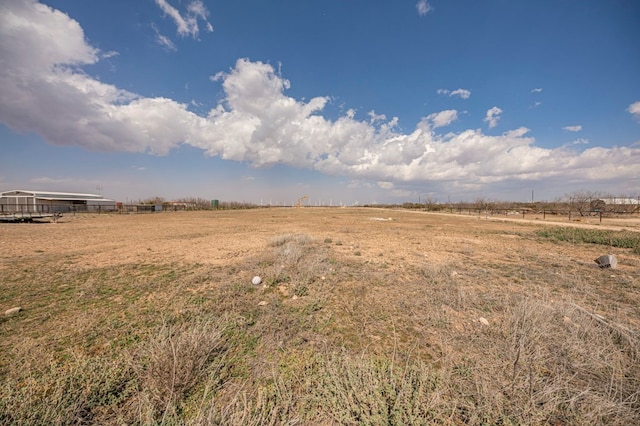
{"x":48,"y":195}
{"x":620,"y":200}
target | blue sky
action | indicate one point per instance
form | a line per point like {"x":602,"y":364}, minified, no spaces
{"x":343,"y":101}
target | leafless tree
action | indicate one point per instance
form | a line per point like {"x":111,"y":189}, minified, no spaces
{"x":581,"y":201}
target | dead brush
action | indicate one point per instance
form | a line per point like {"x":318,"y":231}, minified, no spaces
{"x":330,"y":387}
{"x":173,"y":361}
{"x":252,"y":405}
{"x":67,"y":388}
{"x":370,"y":390}
{"x":295,"y":259}
{"x":549,"y":363}
{"x":290,"y":248}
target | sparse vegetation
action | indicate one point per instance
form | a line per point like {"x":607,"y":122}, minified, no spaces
{"x":622,"y":239}
{"x":339,"y":339}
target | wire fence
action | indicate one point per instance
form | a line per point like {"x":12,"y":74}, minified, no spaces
{"x":544,"y":213}
{"x":28,"y":208}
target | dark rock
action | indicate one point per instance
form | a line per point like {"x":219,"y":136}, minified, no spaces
{"x":607,"y":261}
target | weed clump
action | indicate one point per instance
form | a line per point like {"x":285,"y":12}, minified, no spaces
{"x":173,"y":361}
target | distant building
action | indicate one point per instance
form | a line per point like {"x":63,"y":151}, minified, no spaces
{"x":25,"y":201}
{"x":620,"y":204}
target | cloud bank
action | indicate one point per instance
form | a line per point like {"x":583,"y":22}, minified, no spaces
{"x":45,"y":91}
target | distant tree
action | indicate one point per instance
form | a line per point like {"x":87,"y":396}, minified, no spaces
{"x":194,"y":203}
{"x":412,"y":205}
{"x":235,"y":205}
{"x":430,"y":203}
{"x":153,"y":200}
{"x":581,"y":201}
{"x":483,"y":204}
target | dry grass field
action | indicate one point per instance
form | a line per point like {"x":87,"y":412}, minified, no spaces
{"x":363,"y":316}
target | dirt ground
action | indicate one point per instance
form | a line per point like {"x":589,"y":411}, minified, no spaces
{"x":442,"y":288}
{"x":395,"y":240}
{"x":222,"y":237}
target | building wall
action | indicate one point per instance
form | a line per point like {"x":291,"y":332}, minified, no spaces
{"x":29,"y":202}
{"x":16,"y":203}
{"x":26,"y":205}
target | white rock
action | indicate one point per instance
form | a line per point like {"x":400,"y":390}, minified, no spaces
{"x":262,"y":303}
{"x":256,"y":280}
{"x":12,"y":311}
{"x":483,"y":321}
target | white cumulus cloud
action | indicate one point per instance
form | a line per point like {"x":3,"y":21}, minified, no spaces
{"x":493,"y":116}
{"x":442,"y":118}
{"x":423,"y":7}
{"x":576,"y":128}
{"x":257,"y":122}
{"x":536,"y":90}
{"x":634,"y":109}
{"x":461,"y":93}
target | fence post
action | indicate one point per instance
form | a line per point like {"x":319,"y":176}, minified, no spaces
{"x":600,"y":216}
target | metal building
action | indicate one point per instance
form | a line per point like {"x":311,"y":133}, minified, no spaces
{"x":24,"y":201}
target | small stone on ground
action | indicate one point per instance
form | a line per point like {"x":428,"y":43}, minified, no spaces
{"x":12,"y":311}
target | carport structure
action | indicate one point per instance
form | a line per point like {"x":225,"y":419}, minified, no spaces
{"x":26,"y":201}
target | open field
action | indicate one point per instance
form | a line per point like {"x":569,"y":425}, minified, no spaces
{"x":364,"y":316}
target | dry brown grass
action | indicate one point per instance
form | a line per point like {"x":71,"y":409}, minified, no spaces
{"x":173,"y":361}
{"x":363,"y":322}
